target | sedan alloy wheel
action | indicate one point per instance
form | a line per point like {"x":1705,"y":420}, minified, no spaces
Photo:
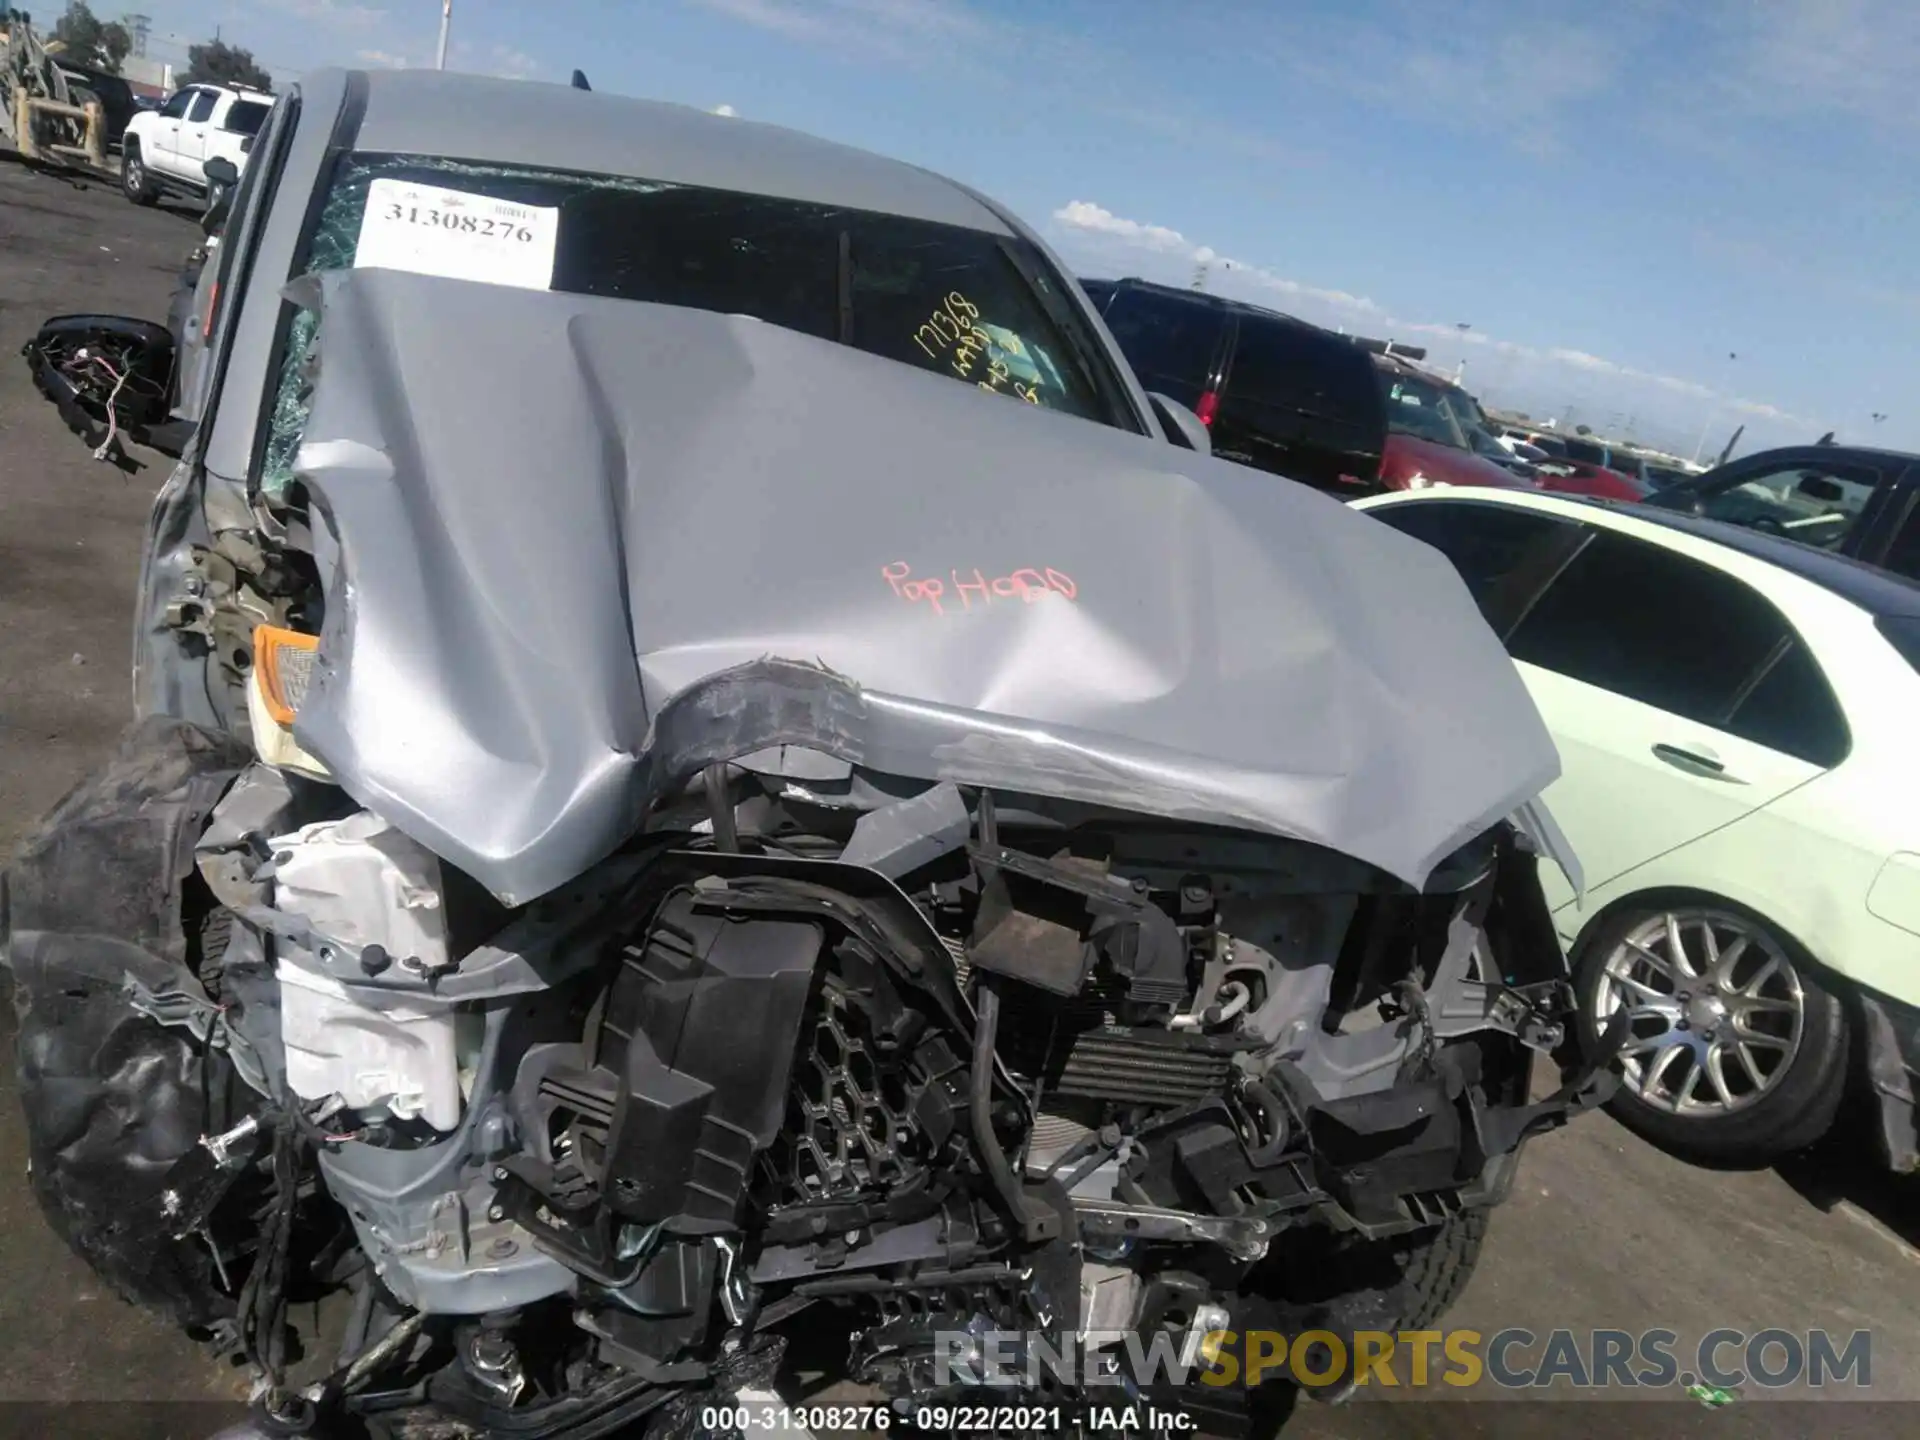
{"x":1716,"y":1010}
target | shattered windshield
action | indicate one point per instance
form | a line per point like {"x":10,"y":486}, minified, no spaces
{"x":982,"y":309}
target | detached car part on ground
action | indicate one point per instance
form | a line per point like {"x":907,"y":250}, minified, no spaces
{"x":771,"y":832}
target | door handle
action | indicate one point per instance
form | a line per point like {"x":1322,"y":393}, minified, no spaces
{"x":1701,"y":760}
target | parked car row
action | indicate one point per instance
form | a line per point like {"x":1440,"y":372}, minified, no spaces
{"x":1299,"y":401}
{"x":1292,"y":398}
{"x":1730,"y":688}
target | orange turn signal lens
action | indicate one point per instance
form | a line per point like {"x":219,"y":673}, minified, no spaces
{"x":283,"y":662}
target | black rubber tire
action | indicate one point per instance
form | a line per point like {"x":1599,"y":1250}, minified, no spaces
{"x":1440,"y":1265}
{"x":1802,"y":1104}
{"x":136,"y":182}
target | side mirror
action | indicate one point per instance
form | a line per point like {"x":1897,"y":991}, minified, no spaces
{"x":222,"y":176}
{"x":107,"y":375}
{"x":246,"y":145}
{"x":1180,"y":424}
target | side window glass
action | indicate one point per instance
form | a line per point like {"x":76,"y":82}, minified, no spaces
{"x":1586,"y":452}
{"x":1903,"y":553}
{"x":1302,"y":402}
{"x":203,"y":106}
{"x":1657,"y":627}
{"x":1502,"y":552}
{"x":1815,"y":504}
{"x":176,"y":107}
{"x":1164,"y":336}
{"x":1273,"y":364}
{"x":1791,"y":709}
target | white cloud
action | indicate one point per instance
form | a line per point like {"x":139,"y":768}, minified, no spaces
{"x":1580,"y":360}
{"x":1087,"y":219}
{"x":726,"y":110}
{"x":1085,"y":215}
{"x":382,"y":59}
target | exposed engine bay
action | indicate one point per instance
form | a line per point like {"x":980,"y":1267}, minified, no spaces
{"x":605,"y":1005}
{"x":917,"y":1065}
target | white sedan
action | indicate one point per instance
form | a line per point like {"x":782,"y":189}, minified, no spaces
{"x":1741,"y":783}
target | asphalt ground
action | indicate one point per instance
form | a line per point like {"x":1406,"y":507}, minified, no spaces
{"x":1602,"y":1231}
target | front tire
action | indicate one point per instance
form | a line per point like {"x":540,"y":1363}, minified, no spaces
{"x":1439,"y":1267}
{"x":135,"y":180}
{"x":1736,"y":1051}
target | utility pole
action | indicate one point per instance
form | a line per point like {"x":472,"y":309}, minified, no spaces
{"x":446,"y":23}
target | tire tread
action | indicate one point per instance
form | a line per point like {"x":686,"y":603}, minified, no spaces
{"x":1438,"y":1270}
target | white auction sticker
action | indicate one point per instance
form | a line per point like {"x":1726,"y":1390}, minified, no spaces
{"x":430,"y":230}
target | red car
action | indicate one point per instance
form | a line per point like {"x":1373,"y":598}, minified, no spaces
{"x":1583,"y":477}
{"x":1431,"y":429}
{"x":1581,"y":466}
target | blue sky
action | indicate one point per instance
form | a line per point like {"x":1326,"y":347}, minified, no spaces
{"x":1615,"y":198}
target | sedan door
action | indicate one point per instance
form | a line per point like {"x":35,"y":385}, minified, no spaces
{"x":1660,"y":678}
{"x":1678,"y":697}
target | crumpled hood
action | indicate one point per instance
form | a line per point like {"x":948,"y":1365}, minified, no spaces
{"x":561,"y":536}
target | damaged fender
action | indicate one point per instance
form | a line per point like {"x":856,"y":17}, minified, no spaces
{"x":91,"y":914}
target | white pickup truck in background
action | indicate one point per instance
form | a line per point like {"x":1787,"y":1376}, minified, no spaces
{"x":168,"y":149}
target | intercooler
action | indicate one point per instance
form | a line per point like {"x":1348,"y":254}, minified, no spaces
{"x":1078,"y":1050}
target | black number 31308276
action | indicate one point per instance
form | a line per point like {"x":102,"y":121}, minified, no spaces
{"x":466,"y":224}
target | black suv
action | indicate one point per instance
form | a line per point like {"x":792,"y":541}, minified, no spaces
{"x":1274,"y":392}
{"x":1848,"y":499}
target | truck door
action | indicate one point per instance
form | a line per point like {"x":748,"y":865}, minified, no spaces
{"x":163,"y":155}
{"x":194,"y":130}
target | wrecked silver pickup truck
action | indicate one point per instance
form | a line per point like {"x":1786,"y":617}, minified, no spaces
{"x":710,"y":769}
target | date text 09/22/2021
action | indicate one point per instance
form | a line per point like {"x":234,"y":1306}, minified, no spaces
{"x":945,"y":1419}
